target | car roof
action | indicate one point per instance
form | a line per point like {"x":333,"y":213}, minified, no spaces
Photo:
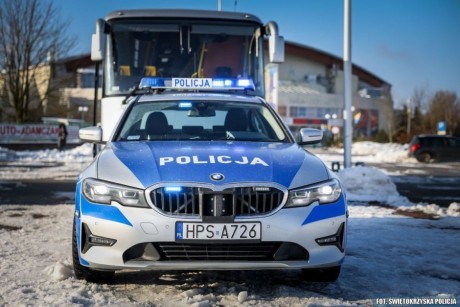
{"x":179,"y":96}
{"x":435,"y":136}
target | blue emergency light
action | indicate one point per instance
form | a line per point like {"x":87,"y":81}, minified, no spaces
{"x":208,"y":84}
{"x":173,"y":189}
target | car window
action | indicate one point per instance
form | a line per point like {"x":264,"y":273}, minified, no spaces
{"x":436,"y":142}
{"x":453,"y":142}
{"x":200,"y":120}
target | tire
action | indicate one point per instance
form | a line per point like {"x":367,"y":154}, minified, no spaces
{"x":424,"y":157}
{"x":82,"y":272}
{"x":321,"y":275}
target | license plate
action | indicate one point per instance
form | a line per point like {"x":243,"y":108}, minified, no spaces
{"x":217,"y":231}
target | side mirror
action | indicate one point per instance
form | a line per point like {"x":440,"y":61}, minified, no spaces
{"x":90,"y":134}
{"x":98,"y":42}
{"x":275,"y":43}
{"x":276,"y":49}
{"x":310,"y":136}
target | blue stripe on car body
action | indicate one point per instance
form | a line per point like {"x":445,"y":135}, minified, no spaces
{"x":106,"y":212}
{"x":326,"y":211}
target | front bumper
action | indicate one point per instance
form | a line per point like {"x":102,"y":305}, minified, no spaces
{"x":137,"y":233}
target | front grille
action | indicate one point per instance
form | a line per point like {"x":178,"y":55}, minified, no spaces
{"x":263,"y":251}
{"x":196,"y":201}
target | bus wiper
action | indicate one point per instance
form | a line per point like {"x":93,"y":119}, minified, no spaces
{"x":137,"y":91}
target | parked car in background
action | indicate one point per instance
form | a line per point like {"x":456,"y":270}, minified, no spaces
{"x":435,"y":147}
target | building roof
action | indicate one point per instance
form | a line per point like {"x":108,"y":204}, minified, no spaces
{"x":72,"y":63}
{"x":330,"y":60}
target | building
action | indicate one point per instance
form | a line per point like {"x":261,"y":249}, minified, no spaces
{"x":63,"y":90}
{"x":311,"y":87}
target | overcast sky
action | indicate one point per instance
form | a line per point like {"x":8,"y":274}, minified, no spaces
{"x":408,"y":43}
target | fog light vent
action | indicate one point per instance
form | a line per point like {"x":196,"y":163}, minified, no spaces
{"x":335,"y":239}
{"x":89,"y":240}
{"x":101,"y":240}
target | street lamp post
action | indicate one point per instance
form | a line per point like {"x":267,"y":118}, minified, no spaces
{"x":348,"y":129}
{"x":409,"y":111}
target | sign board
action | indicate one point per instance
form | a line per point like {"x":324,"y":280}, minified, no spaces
{"x":441,"y":128}
{"x":338,"y":122}
{"x":35,"y":134}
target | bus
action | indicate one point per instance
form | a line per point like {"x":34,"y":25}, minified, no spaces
{"x":131,"y":44}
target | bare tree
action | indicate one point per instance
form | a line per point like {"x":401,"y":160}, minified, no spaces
{"x":444,"y":106}
{"x":419,"y":98}
{"x":32,"y":34}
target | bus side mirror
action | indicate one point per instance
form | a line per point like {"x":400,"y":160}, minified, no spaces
{"x":98,"y":42}
{"x":276,"y":49}
{"x":310,"y":136}
{"x":275,"y":43}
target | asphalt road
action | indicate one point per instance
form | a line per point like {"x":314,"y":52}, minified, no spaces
{"x":37,"y":192}
{"x":436,"y":182}
{"x":438,"y":190}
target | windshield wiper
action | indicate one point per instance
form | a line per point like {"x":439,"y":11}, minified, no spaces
{"x":140,"y":91}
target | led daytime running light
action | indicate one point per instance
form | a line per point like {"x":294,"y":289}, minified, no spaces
{"x":324,"y":193}
{"x":104,"y":193}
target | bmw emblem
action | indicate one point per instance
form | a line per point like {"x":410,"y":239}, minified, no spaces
{"x":217,"y":177}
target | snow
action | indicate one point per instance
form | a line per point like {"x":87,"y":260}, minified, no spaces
{"x":389,"y":254}
{"x":370,"y":184}
{"x":60,"y":165}
{"x":371,"y":152}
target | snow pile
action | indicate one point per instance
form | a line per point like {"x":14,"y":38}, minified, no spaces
{"x":434,"y":210}
{"x":370,"y":184}
{"x":45,"y":164}
{"x":61,"y":270}
{"x":80,"y":154}
{"x":378,"y":152}
{"x":368,"y":152}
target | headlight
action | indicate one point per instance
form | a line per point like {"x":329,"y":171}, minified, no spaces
{"x":326,"y":192}
{"x":104,"y":192}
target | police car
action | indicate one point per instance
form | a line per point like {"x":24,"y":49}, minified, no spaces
{"x":199,"y":175}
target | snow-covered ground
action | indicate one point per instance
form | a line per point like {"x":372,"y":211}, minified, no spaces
{"x":389,"y":253}
{"x":41,"y":164}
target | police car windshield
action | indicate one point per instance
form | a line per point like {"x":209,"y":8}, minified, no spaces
{"x":201,"y":120}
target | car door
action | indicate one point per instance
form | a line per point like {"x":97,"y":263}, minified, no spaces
{"x":453,"y":149}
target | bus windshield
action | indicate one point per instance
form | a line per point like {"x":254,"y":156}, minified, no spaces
{"x":180,"y":49}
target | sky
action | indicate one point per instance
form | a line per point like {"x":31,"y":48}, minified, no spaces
{"x":411,"y":44}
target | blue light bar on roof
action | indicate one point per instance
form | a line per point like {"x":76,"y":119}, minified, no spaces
{"x":154,"y":83}
{"x":208,"y":84}
{"x":185,"y":105}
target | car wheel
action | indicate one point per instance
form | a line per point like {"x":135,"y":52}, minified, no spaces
{"x":321,"y":275}
{"x":82,"y":272}
{"x":424,"y":157}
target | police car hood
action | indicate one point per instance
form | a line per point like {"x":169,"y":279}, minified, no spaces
{"x":143,"y":164}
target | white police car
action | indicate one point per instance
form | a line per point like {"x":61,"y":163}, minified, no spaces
{"x":206,"y":178}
